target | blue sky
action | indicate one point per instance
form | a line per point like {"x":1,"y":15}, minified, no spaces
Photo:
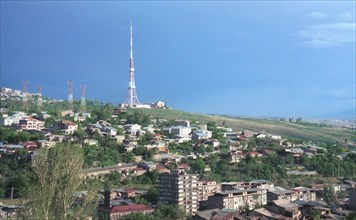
{"x":251,"y":58}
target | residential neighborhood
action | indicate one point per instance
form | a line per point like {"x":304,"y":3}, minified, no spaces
{"x":207,"y":170}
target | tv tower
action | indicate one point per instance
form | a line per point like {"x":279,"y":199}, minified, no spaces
{"x":25,"y":95}
{"x":39,"y":99}
{"x":132,"y":99}
{"x":82,"y":101}
{"x":70,"y":95}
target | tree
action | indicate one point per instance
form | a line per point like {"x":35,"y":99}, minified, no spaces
{"x":198,"y":166}
{"x":59,"y":190}
{"x":169,"y":212}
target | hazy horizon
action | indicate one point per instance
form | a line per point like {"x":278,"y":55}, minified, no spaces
{"x":259,"y":59}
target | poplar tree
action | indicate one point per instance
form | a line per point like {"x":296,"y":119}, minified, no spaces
{"x":59,"y":190}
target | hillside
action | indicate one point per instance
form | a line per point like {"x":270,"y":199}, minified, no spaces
{"x":306,"y":131}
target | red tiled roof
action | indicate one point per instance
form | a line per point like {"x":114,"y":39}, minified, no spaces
{"x":139,"y":169}
{"x":29,"y":143}
{"x":130,"y":190}
{"x":66,"y":122}
{"x":130,"y":208}
{"x":183,"y":165}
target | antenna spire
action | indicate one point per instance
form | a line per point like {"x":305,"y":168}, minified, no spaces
{"x":132,"y":99}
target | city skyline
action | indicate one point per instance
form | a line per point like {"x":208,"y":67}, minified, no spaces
{"x":239,"y":58}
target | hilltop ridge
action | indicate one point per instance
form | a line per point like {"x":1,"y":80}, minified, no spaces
{"x":308,"y":131}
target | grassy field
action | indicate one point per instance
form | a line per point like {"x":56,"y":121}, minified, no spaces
{"x":306,"y":131}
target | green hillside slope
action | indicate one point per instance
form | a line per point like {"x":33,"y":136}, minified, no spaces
{"x":304,"y":131}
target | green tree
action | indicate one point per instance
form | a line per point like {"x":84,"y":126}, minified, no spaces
{"x":169,"y":212}
{"x":59,"y":190}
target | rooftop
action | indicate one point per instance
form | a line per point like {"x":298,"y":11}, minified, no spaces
{"x":130,"y":208}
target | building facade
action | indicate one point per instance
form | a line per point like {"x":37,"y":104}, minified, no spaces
{"x":180,"y":189}
{"x":238,"y":199}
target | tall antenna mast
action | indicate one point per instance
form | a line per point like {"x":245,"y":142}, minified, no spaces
{"x":132,"y":99}
{"x":39,"y":99}
{"x":70,"y":95}
{"x":25,"y":95}
{"x":82,"y":100}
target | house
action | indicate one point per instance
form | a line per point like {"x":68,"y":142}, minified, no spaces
{"x":296,"y":152}
{"x":10,"y":148}
{"x":180,"y":130}
{"x":116,"y":212}
{"x":278,"y":209}
{"x":158,"y":104}
{"x":231,"y":135}
{"x":161,"y":169}
{"x":262,"y":184}
{"x":66,"y":126}
{"x":201,"y":135}
{"x":214,"y":143}
{"x":109,"y":131}
{"x":139,"y":171}
{"x":157,"y":137}
{"x":318,"y":151}
{"x":30,"y":145}
{"x":44,"y":116}
{"x":14,"y":119}
{"x":235,"y":156}
{"x":56,"y":137}
{"x":248,"y":134}
{"x":31,"y":124}
{"x":261,"y":136}
{"x":45,"y":143}
{"x":149,"y":129}
{"x":182,"y":123}
{"x":81,"y":116}
{"x":119,"y":138}
{"x":10,"y":120}
{"x":70,"y":113}
{"x":132,"y":129}
{"x":183,"y":166}
{"x":90,"y":142}
{"x":148,"y":165}
{"x":182,"y":138}
{"x":279,"y":193}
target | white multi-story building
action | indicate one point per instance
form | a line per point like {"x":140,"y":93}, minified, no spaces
{"x":180,"y":130}
{"x":207,"y":188}
{"x":132,"y":128}
{"x":304,"y":193}
{"x":31,"y":124}
{"x":13,"y":119}
{"x":202,"y":135}
{"x":180,"y":189}
{"x":238,"y":199}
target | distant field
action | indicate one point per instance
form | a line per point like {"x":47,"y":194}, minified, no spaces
{"x":303,"y":131}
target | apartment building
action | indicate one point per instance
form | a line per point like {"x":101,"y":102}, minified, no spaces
{"x":179,"y":188}
{"x":207,"y":188}
{"x":352,"y":199}
{"x":238,"y":199}
{"x":304,"y":193}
